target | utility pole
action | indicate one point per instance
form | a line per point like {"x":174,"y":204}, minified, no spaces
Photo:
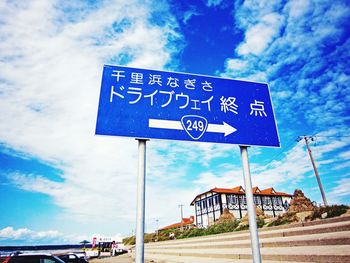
{"x":182,"y":226}
{"x":157,"y":220}
{"x":307,"y":138}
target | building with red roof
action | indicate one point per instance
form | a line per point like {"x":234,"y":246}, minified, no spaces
{"x":186,"y":223}
{"x":210,"y":204}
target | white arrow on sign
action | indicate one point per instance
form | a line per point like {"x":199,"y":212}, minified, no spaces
{"x":224,"y":128}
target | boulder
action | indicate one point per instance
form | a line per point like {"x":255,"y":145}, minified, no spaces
{"x":304,"y":216}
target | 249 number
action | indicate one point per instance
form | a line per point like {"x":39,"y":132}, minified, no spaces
{"x":195,"y":125}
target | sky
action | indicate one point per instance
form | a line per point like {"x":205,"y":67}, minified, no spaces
{"x":60,"y":183}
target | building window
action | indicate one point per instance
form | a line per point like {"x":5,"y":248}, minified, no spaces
{"x":232,"y":199}
{"x":276,"y":200}
{"x":204,"y":204}
{"x":257,"y":200}
{"x":210,"y":202}
{"x":242,"y":199}
{"x":266,"y":200}
{"x":198,"y":206}
{"x":216,"y":200}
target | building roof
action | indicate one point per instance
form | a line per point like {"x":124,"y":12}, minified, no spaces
{"x":184,"y":222}
{"x":256,"y":190}
{"x":240,"y":191}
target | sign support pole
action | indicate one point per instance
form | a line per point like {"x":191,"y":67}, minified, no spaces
{"x":140,"y":217}
{"x":254,"y":237}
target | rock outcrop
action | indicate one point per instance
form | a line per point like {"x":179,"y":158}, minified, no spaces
{"x":226,"y":217}
{"x":300,"y":203}
{"x":259,"y":217}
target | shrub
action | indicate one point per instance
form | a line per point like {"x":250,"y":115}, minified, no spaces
{"x":260,"y":222}
{"x":332,"y":211}
{"x":149,"y":238}
{"x":221,"y":228}
{"x":129,"y":240}
{"x":195,"y":232}
{"x":242,"y":227}
{"x":284,"y":219}
{"x":211,"y":230}
{"x":278,"y":222}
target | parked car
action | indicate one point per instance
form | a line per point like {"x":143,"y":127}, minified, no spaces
{"x":30,"y":258}
{"x":91,"y":253}
{"x":72,"y":258}
{"x":81,"y":254}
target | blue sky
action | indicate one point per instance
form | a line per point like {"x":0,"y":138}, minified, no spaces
{"x":61,"y":184}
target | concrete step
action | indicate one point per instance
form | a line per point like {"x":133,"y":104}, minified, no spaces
{"x":324,"y":239}
{"x":310,"y":223}
{"x":273,"y":233}
{"x":333,"y":254}
{"x":157,"y":258}
{"x":317,"y":241}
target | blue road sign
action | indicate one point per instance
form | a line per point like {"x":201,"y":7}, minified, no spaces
{"x":150,"y":104}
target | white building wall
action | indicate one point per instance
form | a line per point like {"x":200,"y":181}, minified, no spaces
{"x":284,"y":199}
{"x":223,"y":200}
{"x":210,"y":219}
{"x":277,"y":213}
{"x":217,"y":215}
{"x":205,"y":221}
{"x":268,"y":213}
{"x":235,"y":213}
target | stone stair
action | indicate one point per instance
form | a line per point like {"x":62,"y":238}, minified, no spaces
{"x":325,"y":240}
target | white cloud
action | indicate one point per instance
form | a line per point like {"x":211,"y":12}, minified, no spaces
{"x":299,"y":48}
{"x":260,"y":35}
{"x":298,"y":8}
{"x":345,"y":155}
{"x":27,"y":236}
{"x":340,"y":191}
{"x":10,"y":233}
{"x":189,"y":14}
{"x":235,"y":65}
{"x":224,"y":179}
{"x":213,"y":3}
{"x":51,"y":64}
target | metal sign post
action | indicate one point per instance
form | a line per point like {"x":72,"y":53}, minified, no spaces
{"x":140,"y":218}
{"x":254,"y":237}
